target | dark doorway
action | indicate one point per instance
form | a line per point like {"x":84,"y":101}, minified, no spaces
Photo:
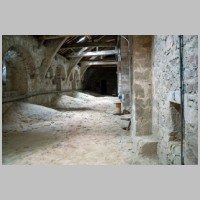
{"x":102,"y":80}
{"x":103,"y":86}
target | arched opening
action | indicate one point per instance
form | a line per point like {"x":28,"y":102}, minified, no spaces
{"x":15,"y":80}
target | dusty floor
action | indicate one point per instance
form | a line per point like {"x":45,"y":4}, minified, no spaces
{"x":66,"y":135}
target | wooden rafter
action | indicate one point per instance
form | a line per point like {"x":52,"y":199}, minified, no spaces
{"x":90,"y":44}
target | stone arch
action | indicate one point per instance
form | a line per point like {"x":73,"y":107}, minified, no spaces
{"x":15,"y":62}
{"x":51,"y":51}
{"x":74,"y":63}
{"x":82,"y":71}
{"x":22,"y":54}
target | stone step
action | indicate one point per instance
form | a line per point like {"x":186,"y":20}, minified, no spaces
{"x":148,"y":149}
{"x":146,"y":146}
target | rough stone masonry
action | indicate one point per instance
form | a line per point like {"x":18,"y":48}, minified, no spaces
{"x":166,"y":97}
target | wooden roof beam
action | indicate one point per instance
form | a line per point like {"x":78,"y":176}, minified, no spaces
{"x":89,"y":63}
{"x":90,"y":44}
{"x":94,"y":53}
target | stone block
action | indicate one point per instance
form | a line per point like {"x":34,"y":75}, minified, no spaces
{"x":190,"y":74}
{"x":191,"y":97}
{"x":147,"y":149}
{"x":191,"y":85}
{"x":190,"y":158}
{"x":191,"y":115}
{"x":190,"y":103}
{"x":177,"y":150}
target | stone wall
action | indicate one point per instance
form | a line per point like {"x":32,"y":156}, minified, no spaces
{"x":190,"y":62}
{"x":166,"y":97}
{"x":24,"y":58}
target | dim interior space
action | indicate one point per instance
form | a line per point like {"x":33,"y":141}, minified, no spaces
{"x":99,"y":99}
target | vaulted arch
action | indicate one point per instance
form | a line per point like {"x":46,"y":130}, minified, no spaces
{"x":51,"y":50}
{"x":19,"y":69}
{"x":21,"y":54}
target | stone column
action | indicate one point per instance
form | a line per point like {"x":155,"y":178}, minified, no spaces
{"x":125,"y":73}
{"x":141,"y":86}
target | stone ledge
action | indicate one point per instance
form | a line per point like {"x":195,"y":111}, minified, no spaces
{"x":148,"y":149}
